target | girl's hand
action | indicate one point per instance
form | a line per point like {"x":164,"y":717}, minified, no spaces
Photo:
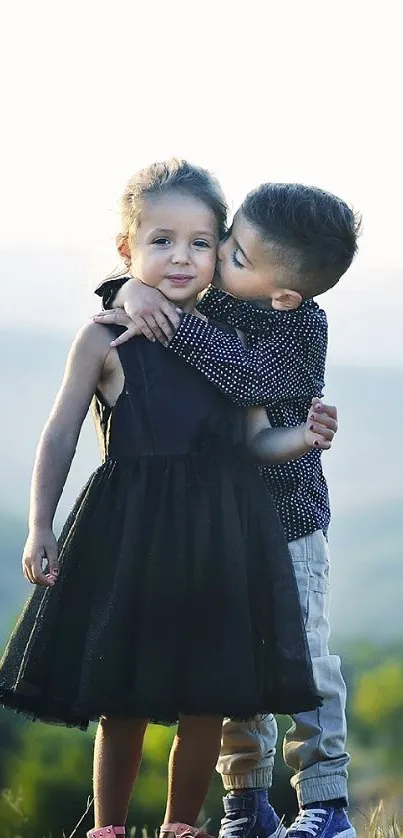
{"x":41,"y":545}
{"x":321,"y":425}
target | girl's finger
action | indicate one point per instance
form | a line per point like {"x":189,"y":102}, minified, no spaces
{"x":328,"y":409}
{"x":39,"y":577}
{"x":325,"y":420}
{"x":321,"y":430}
{"x":28,"y":573}
{"x":322,"y":444}
{"x":47,"y":580}
{"x":25,"y":570}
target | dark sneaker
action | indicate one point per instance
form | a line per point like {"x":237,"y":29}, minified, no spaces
{"x":322,"y":822}
{"x":244,"y":819}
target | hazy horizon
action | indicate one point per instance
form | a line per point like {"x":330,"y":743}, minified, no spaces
{"x":54,"y":293}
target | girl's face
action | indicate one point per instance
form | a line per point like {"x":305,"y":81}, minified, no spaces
{"x":174,"y":247}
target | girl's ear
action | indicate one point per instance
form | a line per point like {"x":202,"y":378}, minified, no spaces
{"x":122,"y":244}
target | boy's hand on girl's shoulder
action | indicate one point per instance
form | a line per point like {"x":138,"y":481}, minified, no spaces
{"x":321,"y":425}
{"x":118,"y":317}
{"x":41,"y":546}
{"x":145,"y":311}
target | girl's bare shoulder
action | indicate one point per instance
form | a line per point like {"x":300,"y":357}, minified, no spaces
{"x":92,"y":342}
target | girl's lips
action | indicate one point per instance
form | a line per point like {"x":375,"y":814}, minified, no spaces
{"x":180,"y":279}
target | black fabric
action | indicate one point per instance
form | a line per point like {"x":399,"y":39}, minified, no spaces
{"x":176,"y":591}
{"x":109,"y":288}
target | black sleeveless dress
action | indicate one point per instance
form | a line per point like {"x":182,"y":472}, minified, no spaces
{"x":176,"y":592}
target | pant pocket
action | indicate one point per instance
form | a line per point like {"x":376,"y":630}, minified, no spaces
{"x":312,"y":575}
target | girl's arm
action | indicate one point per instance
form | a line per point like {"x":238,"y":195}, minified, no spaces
{"x":57,"y":446}
{"x":278,"y":445}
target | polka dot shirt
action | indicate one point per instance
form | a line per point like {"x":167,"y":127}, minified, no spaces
{"x":282,"y":366}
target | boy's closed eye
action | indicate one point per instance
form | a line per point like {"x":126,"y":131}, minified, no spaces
{"x":235,"y":259}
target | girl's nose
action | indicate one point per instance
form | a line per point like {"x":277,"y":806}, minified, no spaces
{"x":180,"y":255}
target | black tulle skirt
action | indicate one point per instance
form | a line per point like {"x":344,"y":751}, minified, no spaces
{"x":176,"y":594}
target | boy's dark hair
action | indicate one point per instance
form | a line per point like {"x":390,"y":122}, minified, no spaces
{"x":312,"y":233}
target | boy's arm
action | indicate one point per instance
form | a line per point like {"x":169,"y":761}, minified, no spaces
{"x":276,"y":365}
{"x":58,"y":442}
{"x":147,"y":311}
{"x":272,"y":367}
{"x":220,"y":306}
{"x":279,"y":445}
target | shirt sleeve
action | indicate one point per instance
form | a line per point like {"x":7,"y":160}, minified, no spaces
{"x":108,"y":288}
{"x":283,"y":365}
{"x":222,"y":307}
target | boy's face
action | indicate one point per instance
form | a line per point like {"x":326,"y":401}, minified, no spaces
{"x":246,"y":271}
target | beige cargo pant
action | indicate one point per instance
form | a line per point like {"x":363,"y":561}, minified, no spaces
{"x":315,"y":745}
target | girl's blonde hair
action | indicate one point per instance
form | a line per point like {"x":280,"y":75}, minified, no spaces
{"x":172,"y":176}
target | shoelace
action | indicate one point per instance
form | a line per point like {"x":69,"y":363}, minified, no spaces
{"x":308,"y":820}
{"x":230,"y":828}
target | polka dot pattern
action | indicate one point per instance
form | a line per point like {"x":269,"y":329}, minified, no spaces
{"x":282,"y":366}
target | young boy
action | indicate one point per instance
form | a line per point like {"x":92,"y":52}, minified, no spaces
{"x":288,"y":243}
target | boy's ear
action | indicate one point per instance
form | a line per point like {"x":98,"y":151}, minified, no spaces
{"x":122,"y":244}
{"x":286,"y":300}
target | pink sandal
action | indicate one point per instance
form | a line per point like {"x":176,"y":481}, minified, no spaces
{"x":181,"y":830}
{"x":106,"y":832}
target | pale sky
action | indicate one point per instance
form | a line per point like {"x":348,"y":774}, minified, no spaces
{"x":305,"y":91}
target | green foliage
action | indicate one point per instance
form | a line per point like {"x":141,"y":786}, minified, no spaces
{"x":377,"y":705}
{"x":379,"y":695}
{"x":45,"y":771}
{"x":51,"y":769}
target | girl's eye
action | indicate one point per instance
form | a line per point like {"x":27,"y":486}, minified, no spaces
{"x":162,"y":240}
{"x":236,"y":261}
{"x":201,"y":243}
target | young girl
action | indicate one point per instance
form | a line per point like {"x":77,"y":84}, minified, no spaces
{"x":133,"y":619}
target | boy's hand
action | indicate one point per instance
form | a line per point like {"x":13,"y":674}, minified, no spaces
{"x":118,"y":317}
{"x":41,"y":545}
{"x":150,"y":313}
{"x":321,"y":425}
